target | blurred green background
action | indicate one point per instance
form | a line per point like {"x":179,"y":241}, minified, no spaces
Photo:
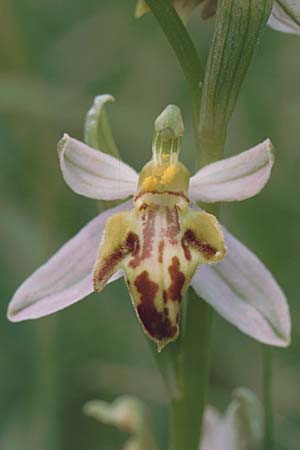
{"x":55,"y":57}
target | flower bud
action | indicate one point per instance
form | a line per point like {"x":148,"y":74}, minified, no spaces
{"x":128,"y":414}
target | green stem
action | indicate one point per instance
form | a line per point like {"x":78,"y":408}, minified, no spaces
{"x":184,"y":366}
{"x":267,"y":388}
{"x":185,"y":51}
{"x":44,"y":430}
{"x":179,"y":39}
{"x":193,"y":369}
{"x":196,"y":122}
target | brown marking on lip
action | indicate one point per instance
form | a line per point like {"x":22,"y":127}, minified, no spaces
{"x":154,"y":192}
{"x":132,"y":243}
{"x":108,"y":266}
{"x":143,"y":207}
{"x":148,"y":238}
{"x":161,"y":246}
{"x":173,"y":225}
{"x":165,"y":296}
{"x":177,"y":280}
{"x":207,"y":250}
{"x":157,"y":324}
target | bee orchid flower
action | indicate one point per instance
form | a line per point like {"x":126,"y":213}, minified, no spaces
{"x":160,"y":241}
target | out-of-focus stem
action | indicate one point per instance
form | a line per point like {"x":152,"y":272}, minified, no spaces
{"x":267,"y":393}
{"x":45,"y":424}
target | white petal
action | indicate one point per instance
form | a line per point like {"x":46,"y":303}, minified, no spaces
{"x":66,"y":277}
{"x":242,"y":423}
{"x":212,"y":421}
{"x":242,"y":290}
{"x":240,"y":426}
{"x":285,"y":16}
{"x":94,"y":174}
{"x":235,"y":178}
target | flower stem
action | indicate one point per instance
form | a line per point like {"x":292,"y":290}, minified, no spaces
{"x":179,"y":39}
{"x":184,"y":366}
{"x":267,"y":388}
{"x":193,"y":368}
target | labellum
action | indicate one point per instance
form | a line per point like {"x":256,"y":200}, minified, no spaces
{"x":160,"y":243}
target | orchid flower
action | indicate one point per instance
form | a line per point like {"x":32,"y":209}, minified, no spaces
{"x":161,"y":242}
{"x":285,"y":15}
{"x":238,"y":428}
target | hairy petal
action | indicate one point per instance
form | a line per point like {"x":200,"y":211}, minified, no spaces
{"x":285,"y":16}
{"x":203,"y":237}
{"x":94,"y":174}
{"x":235,"y":178}
{"x":66,"y":277}
{"x":242,"y":290}
{"x":117,"y":243}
